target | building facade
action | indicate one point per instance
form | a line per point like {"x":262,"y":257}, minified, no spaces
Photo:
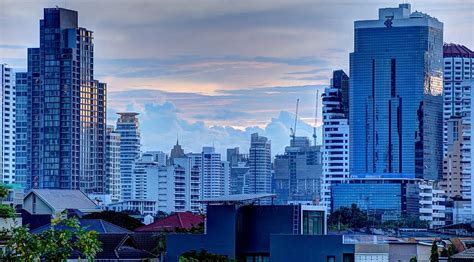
{"x":335,"y":135}
{"x":112,"y":166}
{"x":66,"y":108}
{"x":298,"y":172}
{"x":129,"y":129}
{"x":260,"y":166}
{"x":239,"y":170}
{"x":215,"y":177}
{"x":395,"y":94}
{"x":23,"y":130}
{"x":7,"y":122}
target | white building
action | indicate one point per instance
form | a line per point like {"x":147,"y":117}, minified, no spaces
{"x":458,"y":74}
{"x":112,"y":164}
{"x":214,"y":176}
{"x":335,"y":135}
{"x":260,"y":166}
{"x":144,"y":207}
{"x":129,"y":129}
{"x":174,"y":188}
{"x":7,"y":122}
{"x":432,"y":208}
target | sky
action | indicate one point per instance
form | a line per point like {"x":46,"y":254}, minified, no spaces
{"x":212,"y":72}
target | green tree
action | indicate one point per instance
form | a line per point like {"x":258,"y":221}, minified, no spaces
{"x":55,"y":244}
{"x":202,"y":256}
{"x":6,"y":211}
{"x":434,"y":257}
{"x":413,"y":259}
{"x":118,"y":218}
{"x":348,"y":217}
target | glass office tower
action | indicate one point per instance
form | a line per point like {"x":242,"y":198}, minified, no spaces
{"x":396,"y":94}
{"x":66,"y":111}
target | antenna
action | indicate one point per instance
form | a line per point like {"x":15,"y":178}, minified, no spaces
{"x":293,"y":130}
{"x":316,"y":117}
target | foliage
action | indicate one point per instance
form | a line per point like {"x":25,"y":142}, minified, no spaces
{"x":7,"y":211}
{"x":3,"y":191}
{"x":413,"y":259}
{"x":448,"y":252}
{"x":199,"y":229}
{"x":434,"y":257}
{"x":346,"y":217}
{"x":407,"y":221}
{"x":54,"y":244}
{"x":160,"y":215}
{"x":118,"y":218}
{"x":202,"y":256}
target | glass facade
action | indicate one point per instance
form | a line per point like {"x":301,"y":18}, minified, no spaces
{"x":396,"y":94}
{"x":66,"y":108}
{"x":313,"y":222}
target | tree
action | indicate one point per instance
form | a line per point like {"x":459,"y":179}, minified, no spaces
{"x":118,"y":218}
{"x":413,"y":259}
{"x":6,"y":211}
{"x":54,"y":244}
{"x":434,"y":257}
{"x":345,"y":217}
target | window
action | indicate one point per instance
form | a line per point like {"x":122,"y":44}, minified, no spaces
{"x":331,"y":259}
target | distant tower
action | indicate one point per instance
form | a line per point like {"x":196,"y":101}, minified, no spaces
{"x":112,"y":165}
{"x":129,"y":129}
{"x":176,"y":152}
{"x":260,"y":166}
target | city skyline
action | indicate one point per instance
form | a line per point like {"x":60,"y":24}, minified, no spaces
{"x":297,"y":61}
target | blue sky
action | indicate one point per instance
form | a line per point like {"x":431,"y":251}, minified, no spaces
{"x":215,"y":71}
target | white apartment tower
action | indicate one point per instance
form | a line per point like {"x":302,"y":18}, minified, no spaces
{"x":215,"y":175}
{"x":129,"y":129}
{"x":335,"y":135}
{"x":112,"y":164}
{"x":260,"y":166}
{"x":7,"y":121}
{"x":457,"y":170}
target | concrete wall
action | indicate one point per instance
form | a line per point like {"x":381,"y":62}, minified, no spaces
{"x":41,"y":207}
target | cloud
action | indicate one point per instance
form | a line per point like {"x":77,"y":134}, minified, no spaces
{"x":161,"y":126}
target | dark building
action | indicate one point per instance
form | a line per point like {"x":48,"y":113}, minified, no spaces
{"x":176,"y":152}
{"x":298,"y":172}
{"x":249,"y":232}
{"x":65,"y":108}
{"x":340,"y":81}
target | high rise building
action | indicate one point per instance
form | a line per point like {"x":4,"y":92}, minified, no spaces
{"x":458,"y":72}
{"x":112,"y":164}
{"x":239,"y":171}
{"x":23,"y":130}
{"x":7,"y":122}
{"x":176,"y":152}
{"x":395,"y":95}
{"x":260,"y":166}
{"x":298,"y":172}
{"x":129,"y":129}
{"x":66,"y":108}
{"x":214,"y":174}
{"x":174,"y":188}
{"x":335,"y":135}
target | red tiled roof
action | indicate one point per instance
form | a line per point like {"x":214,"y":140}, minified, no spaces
{"x":183,"y":220}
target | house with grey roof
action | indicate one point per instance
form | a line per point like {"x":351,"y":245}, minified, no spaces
{"x":55,"y":201}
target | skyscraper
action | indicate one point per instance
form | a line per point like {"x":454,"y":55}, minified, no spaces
{"x":112,"y":170}
{"x":395,"y":95}
{"x":129,"y":129}
{"x":214,"y":176}
{"x":67,"y":107}
{"x":260,"y":166}
{"x":176,"y":152}
{"x":23,"y":130}
{"x":239,"y":170}
{"x":335,"y":135}
{"x":7,"y":122}
{"x":458,"y":70}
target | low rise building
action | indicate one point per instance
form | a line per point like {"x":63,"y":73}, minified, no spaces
{"x":55,"y":201}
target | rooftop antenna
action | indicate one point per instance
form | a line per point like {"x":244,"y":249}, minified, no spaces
{"x":293,"y":130}
{"x":316,"y":117}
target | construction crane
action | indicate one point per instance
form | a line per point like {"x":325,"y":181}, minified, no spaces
{"x":316,"y":117}
{"x":293,"y":130}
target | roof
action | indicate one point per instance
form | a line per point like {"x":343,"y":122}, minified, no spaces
{"x":468,"y":254}
{"x":238,"y":198}
{"x":182,"y":220}
{"x":455,"y":50}
{"x":98,"y":225}
{"x":61,"y":199}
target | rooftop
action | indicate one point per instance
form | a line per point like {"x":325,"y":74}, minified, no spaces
{"x":98,"y":225}
{"x":239,"y":198}
{"x":61,"y":199}
{"x":181,"y":220}
{"x":455,"y":50}
{"x":465,"y":254}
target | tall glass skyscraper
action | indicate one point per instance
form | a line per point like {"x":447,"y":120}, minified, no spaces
{"x":66,"y":108}
{"x":395,"y":95}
